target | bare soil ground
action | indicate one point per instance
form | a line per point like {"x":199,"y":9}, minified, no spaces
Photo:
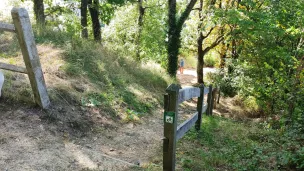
{"x":31,"y":140}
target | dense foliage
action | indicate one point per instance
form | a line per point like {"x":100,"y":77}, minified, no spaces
{"x":270,"y":56}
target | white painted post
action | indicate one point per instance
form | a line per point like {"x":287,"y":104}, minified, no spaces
{"x":30,"y":55}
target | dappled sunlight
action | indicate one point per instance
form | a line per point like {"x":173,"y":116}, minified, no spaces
{"x":80,"y":157}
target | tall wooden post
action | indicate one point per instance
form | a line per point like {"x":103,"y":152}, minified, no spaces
{"x":209,"y":101}
{"x":30,"y":55}
{"x":200,"y":104}
{"x":170,"y":126}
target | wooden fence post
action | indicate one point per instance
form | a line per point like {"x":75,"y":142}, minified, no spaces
{"x":212,"y":100}
{"x":209,"y":101}
{"x":215,"y":96}
{"x":30,"y":55}
{"x":200,"y":104}
{"x":170,"y":126}
{"x":219,"y":95}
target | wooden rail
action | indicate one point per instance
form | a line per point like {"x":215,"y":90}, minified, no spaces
{"x":172,"y":133}
{"x":14,"y":68}
{"x":23,"y":28}
{"x":185,"y":126}
{"x":7,"y":27}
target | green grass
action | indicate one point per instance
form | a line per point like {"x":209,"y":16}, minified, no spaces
{"x":224,"y":144}
{"x":119,"y":81}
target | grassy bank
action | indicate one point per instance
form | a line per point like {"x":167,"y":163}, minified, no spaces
{"x":86,"y":74}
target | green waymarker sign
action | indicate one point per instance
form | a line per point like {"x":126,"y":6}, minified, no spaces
{"x":169,"y":117}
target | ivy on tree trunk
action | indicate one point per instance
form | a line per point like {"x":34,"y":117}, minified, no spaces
{"x":174,"y":33}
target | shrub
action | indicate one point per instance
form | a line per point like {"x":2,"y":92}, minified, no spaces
{"x":224,"y":81}
{"x":211,"y":60}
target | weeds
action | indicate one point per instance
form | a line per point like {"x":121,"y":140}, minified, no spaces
{"x":224,"y":144}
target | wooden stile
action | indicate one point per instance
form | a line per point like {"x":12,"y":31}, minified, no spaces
{"x":23,"y":28}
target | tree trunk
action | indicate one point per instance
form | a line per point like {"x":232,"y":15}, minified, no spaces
{"x":93,"y":8}
{"x":223,"y":55}
{"x":200,"y":59}
{"x":84,"y":19}
{"x":174,"y":33}
{"x":141,"y":11}
{"x":200,"y":53}
{"x":39,"y":12}
{"x":234,"y":49}
{"x":173,"y":51}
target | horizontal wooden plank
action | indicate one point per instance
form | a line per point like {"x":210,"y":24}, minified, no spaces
{"x":188,"y":93}
{"x":13,"y":68}
{"x":7,"y":27}
{"x":204,"y":108}
{"x":206,"y":90}
{"x":185,"y":126}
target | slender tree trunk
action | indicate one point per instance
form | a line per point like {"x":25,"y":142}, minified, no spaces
{"x":200,"y":53}
{"x":234,"y":49}
{"x":39,"y":12}
{"x":200,"y":59}
{"x":174,"y":33}
{"x":141,"y":11}
{"x":84,"y":19}
{"x":172,"y":42}
{"x":93,"y":8}
{"x":223,"y":55}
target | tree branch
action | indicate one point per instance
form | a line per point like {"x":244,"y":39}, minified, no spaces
{"x":196,"y":9}
{"x":214,"y":44}
{"x":208,"y":33}
{"x":185,"y":14}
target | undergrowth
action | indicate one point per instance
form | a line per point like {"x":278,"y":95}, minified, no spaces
{"x":225,"y":144}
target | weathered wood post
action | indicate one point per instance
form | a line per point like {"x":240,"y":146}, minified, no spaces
{"x":30,"y":55}
{"x":209,"y":101}
{"x":200,"y":104}
{"x":213,"y":91}
{"x":219,"y":95}
{"x":215,"y":96}
{"x":170,"y":126}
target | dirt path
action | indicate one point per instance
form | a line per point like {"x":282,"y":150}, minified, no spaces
{"x":189,"y":77}
{"x":31,"y":141}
